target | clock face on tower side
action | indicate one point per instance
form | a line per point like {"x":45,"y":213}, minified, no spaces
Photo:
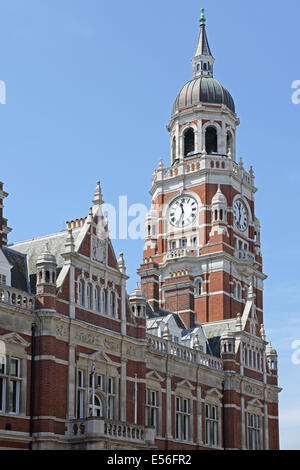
{"x":240,"y":215}
{"x":183,"y":211}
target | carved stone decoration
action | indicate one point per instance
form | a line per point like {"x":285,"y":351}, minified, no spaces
{"x":254,"y":391}
{"x":98,"y":250}
{"x":111,"y":345}
{"x":61,"y":330}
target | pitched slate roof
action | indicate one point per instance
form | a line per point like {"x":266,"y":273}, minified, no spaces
{"x":34,"y":247}
{"x":19,"y":272}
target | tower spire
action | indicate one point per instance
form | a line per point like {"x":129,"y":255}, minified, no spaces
{"x":203,"y":60}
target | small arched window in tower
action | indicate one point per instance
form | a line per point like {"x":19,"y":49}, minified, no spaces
{"x":149,"y":230}
{"x":221,"y":214}
{"x":47,"y":277}
{"x":205,"y":66}
{"x":174,"y":149}
{"x":211,"y":140}
{"x":199,"y":287}
{"x":229,"y":142}
{"x":189,"y":142}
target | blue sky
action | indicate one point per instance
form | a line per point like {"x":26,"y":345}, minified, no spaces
{"x":90,"y":86}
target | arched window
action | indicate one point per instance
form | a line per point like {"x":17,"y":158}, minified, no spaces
{"x":211,"y":140}
{"x":239,"y":291}
{"x":174,"y":149}
{"x":199,"y":287}
{"x":97,"y":298}
{"x":189,"y":142}
{"x":113,"y":303}
{"x":89,"y":296}
{"x":205,"y":66}
{"x":105,"y":301}
{"x":81,"y":287}
{"x":95,"y":406}
{"x":234,"y":289}
{"x":229,"y":142}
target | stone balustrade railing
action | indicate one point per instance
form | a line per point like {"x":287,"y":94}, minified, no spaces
{"x":99,"y":428}
{"x":16,"y":297}
{"x":244,"y":255}
{"x":202,"y":162}
{"x":183,"y":352}
{"x":181,"y":252}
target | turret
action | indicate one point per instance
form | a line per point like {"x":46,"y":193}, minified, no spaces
{"x":272,"y":358}
{"x":219,"y":213}
{"x":46,"y":280}
{"x":137,"y":301}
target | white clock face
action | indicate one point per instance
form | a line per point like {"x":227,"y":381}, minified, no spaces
{"x":240,"y":215}
{"x":183,"y":211}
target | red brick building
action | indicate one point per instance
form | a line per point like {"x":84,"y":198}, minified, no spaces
{"x":180,"y":363}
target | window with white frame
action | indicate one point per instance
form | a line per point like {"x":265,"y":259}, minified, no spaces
{"x":2,"y":382}
{"x":89,"y":296}
{"x":113,"y":303}
{"x":10,"y":384}
{"x":95,"y":405}
{"x":81,"y":292}
{"x":198,"y":287}
{"x":111,"y":396}
{"x":182,"y":418}
{"x":211,"y":425}
{"x":97,"y":299}
{"x":254,"y":428}
{"x":105,"y":301}
{"x":252,"y":357}
{"x":102,"y":393}
{"x":152,"y":409}
{"x":81,"y":390}
{"x":237,"y":290}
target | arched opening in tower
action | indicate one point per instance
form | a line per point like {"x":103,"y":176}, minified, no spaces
{"x":229,"y":142}
{"x":189,"y":142}
{"x":211,"y":140}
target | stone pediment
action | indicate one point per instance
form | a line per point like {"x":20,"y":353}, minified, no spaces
{"x":100,"y":356}
{"x":255,"y":403}
{"x":214,"y":392}
{"x":14,"y":338}
{"x":185,"y":384}
{"x":152,"y":374}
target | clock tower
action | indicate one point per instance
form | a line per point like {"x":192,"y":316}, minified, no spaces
{"x":202,"y":254}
